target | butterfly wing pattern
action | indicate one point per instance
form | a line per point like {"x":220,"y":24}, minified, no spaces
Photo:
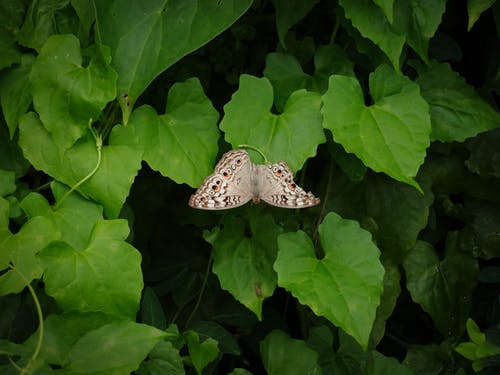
{"x":236,"y":180}
{"x":229,"y":186}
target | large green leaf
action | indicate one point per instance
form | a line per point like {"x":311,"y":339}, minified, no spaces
{"x":43,"y":19}
{"x":181,"y":144}
{"x":389,"y":136}
{"x":288,"y":12}
{"x":21,"y":250}
{"x":400,"y":213}
{"x":345,"y":285}
{"x":475,"y":8}
{"x":292,"y":136}
{"x":68,"y":93}
{"x":114,"y":349}
{"x":283,"y":355}
{"x":61,"y":332}
{"x":146,"y":37}
{"x":442,"y":287}
{"x":163,"y":359}
{"x":15,"y":96}
{"x":74,"y":218}
{"x":457,"y":111}
{"x":415,"y":22}
{"x":111,"y":183}
{"x":244,"y":265}
{"x":286,"y":74}
{"x":106,"y":276}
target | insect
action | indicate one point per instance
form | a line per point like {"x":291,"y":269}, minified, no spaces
{"x":236,"y":180}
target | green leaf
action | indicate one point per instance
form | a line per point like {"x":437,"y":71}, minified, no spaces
{"x":420,"y":20}
{"x":443,"y":288}
{"x":475,"y":8}
{"x":156,"y":34}
{"x":151,"y":310}
{"x":111,"y":183}
{"x":163,"y":359}
{"x":244,"y":265}
{"x":21,"y":249}
{"x":457,"y":111}
{"x":414,"y":22}
{"x":78,"y":91}
{"x":10,"y":53}
{"x":200,"y":353}
{"x":370,"y":20}
{"x":284,"y":355}
{"x":400,"y":212}
{"x":392,"y":290}
{"x":74,"y":218}
{"x":345,"y":285}
{"x":181,"y":144}
{"x":4,"y":225}
{"x":286,"y":74}
{"x":292,"y":135}
{"x":484,"y":154}
{"x":61,"y":332}
{"x":7,"y":182}
{"x":11,"y":157}
{"x":226,"y":342}
{"x":382,"y":365}
{"x":15,"y":94}
{"x":125,"y":345}
{"x":391,"y":135}
{"x":44,"y":18}
{"x":387,"y":6}
{"x":474,"y":332}
{"x":105,"y":277}
{"x":288,"y":13}
{"x":430,"y":358}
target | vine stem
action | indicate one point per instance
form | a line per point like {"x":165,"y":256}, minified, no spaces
{"x":202,"y":289}
{"x":41,"y":326}
{"x":323,"y":204}
{"x":255,"y":149}
{"x":98,"y":144}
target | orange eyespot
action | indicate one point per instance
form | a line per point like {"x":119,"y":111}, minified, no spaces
{"x":292,"y":186}
{"x":238,"y":161}
{"x":215,"y":187}
{"x":278,"y":172}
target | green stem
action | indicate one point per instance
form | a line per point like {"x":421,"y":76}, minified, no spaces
{"x":255,"y":149}
{"x":98,"y":143}
{"x":39,"y":341}
{"x":202,"y":289}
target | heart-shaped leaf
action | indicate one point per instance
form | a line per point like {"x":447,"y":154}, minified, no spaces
{"x":389,"y":136}
{"x":292,"y":136}
{"x":109,"y":186}
{"x":245,"y":265}
{"x":106,"y":276}
{"x":181,"y":144}
{"x":67,"y":93}
{"x":350,"y":267}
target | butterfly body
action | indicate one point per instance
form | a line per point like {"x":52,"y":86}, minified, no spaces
{"x":236,"y":180}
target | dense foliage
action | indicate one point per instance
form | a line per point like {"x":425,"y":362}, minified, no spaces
{"x":113,"y":111}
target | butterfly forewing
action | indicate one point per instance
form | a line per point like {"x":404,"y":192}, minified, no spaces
{"x":229,"y":186}
{"x":277,"y":187}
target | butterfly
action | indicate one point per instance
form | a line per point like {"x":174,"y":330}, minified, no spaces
{"x":236,"y":180}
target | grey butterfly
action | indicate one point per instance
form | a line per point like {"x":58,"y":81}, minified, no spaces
{"x":236,"y":180}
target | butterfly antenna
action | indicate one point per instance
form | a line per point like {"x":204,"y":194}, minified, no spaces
{"x":255,"y":149}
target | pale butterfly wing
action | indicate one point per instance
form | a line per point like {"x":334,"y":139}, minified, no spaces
{"x":229,"y":186}
{"x":276,"y":187}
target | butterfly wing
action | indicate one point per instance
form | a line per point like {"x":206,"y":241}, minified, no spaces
{"x":229,"y":186}
{"x":276,"y":187}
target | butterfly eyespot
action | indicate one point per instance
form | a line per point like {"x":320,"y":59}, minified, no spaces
{"x":238,"y":161}
{"x":292,"y":186}
{"x":278,"y":172}
{"x":215,"y":187}
{"x":218,"y":182}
